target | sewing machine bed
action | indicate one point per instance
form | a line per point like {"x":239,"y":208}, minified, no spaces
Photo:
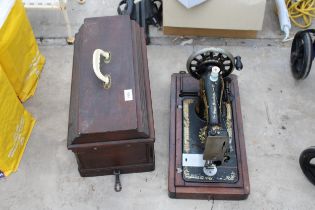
{"x":231,"y":181}
{"x":193,"y":129}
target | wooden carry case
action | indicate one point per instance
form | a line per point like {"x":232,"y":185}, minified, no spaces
{"x":111,"y":130}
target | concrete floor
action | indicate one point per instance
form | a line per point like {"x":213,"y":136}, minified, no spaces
{"x":278,"y":115}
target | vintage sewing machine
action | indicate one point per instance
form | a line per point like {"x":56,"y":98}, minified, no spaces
{"x":207,"y":150}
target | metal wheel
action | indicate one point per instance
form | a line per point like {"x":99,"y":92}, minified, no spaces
{"x":198,"y":62}
{"x":301,"y":55}
{"x":307,"y":164}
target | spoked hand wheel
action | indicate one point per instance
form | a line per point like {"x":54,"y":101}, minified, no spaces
{"x":302,"y":54}
{"x":199,"y":62}
{"x":307,"y":163}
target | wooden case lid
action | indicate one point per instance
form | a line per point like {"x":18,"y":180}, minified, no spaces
{"x":97,"y":114}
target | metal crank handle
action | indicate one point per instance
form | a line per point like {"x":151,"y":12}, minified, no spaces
{"x":238,"y":63}
{"x":106,"y":78}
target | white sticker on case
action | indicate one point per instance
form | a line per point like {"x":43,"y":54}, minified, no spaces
{"x":128,"y":95}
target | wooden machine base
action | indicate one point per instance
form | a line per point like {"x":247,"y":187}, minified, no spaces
{"x":177,"y":186}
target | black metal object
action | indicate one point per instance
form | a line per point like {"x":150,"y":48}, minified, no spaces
{"x":307,"y":166}
{"x":302,"y":54}
{"x":200,"y":65}
{"x":144,"y":12}
{"x":207,"y":118}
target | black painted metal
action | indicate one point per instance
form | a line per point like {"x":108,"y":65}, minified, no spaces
{"x":302,"y":54}
{"x":307,"y":166}
{"x":207,"y":128}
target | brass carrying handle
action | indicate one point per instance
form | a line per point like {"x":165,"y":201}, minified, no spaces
{"x":105,"y":78}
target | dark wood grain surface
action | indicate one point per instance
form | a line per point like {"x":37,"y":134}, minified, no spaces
{"x":106,"y":132}
{"x":105,"y":113}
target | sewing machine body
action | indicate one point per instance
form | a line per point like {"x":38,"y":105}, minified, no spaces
{"x":207,"y":150}
{"x":199,"y":146}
